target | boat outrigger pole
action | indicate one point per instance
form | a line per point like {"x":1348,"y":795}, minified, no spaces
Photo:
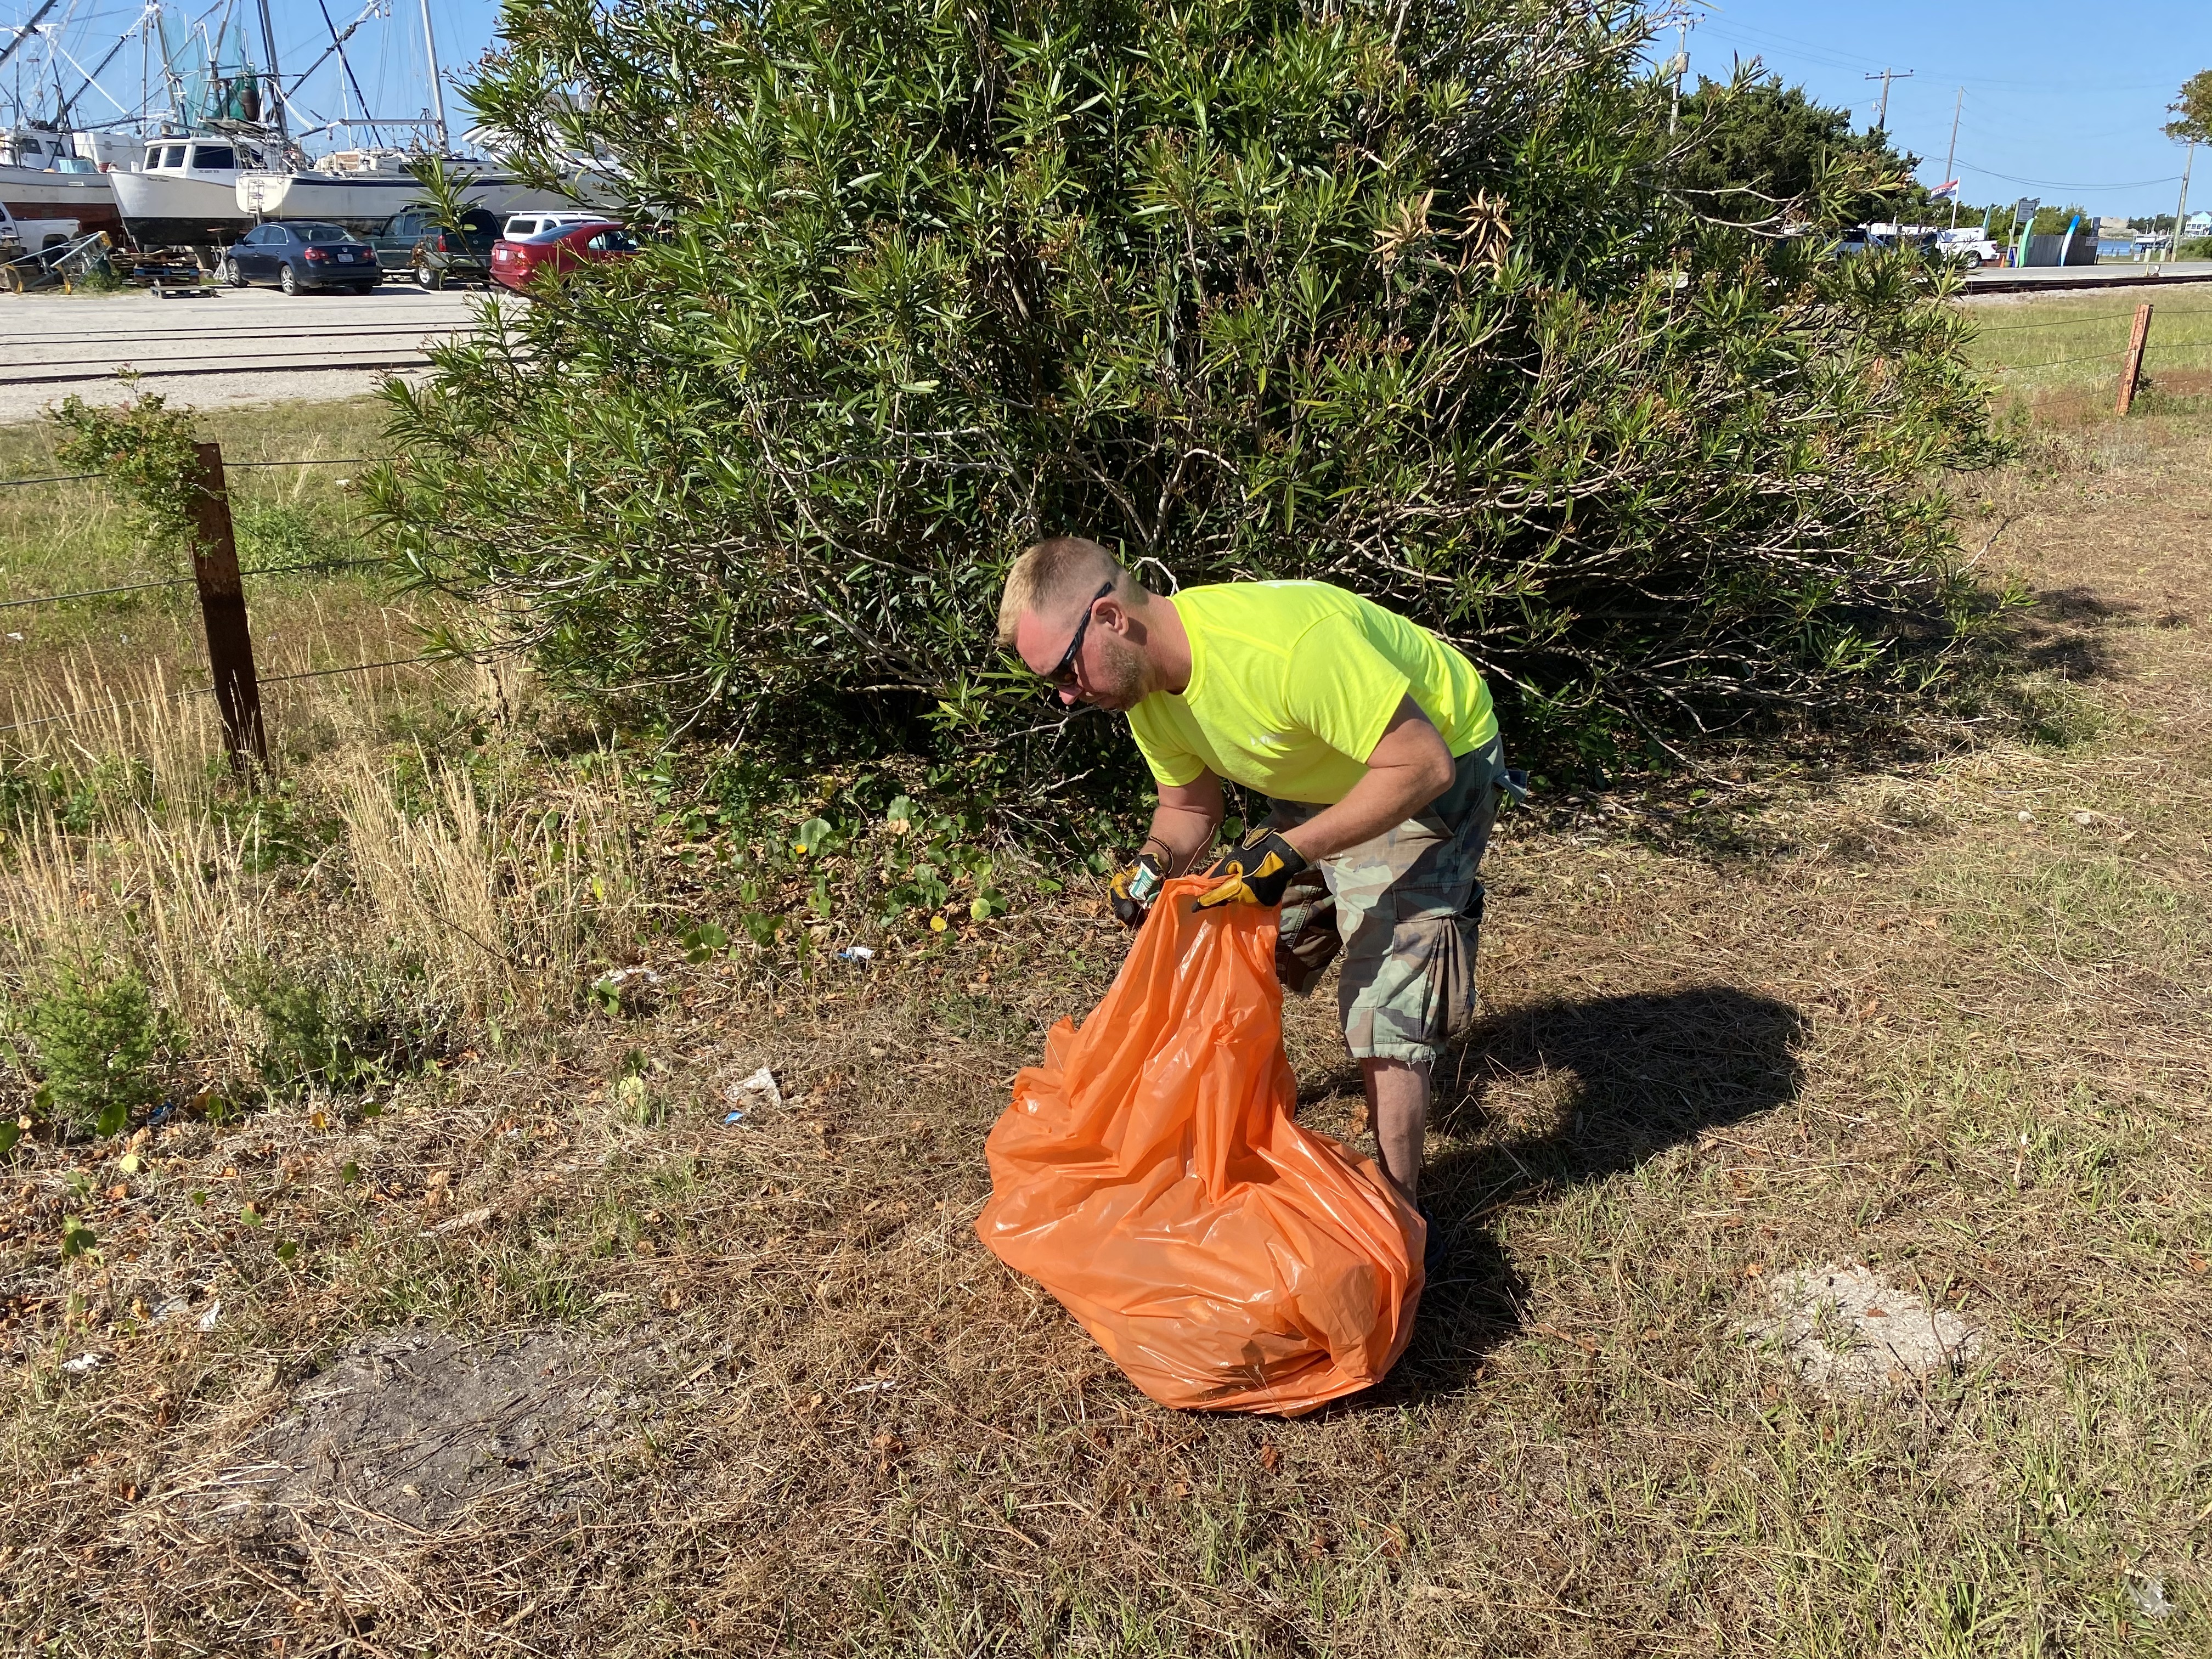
{"x":276,"y":78}
{"x":39,"y":16}
{"x":437,"y":92}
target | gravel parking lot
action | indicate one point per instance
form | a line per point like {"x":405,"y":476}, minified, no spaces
{"x":226,"y":347}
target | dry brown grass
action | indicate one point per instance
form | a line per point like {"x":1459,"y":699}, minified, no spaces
{"x":1948,"y":1021}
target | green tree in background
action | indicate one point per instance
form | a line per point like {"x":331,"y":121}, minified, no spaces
{"x":1754,"y":150}
{"x":1402,"y":295}
{"x":2192,"y":109}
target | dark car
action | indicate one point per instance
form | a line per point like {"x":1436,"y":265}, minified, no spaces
{"x":301,"y":255}
{"x":596,"y":241}
{"x":412,"y":241}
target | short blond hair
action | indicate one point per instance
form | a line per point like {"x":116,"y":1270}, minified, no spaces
{"x":1063,"y":571}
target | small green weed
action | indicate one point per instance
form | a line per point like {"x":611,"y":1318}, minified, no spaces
{"x":97,"y":1040}
{"x":286,"y":533}
{"x":344,"y":1030}
{"x":272,"y":832}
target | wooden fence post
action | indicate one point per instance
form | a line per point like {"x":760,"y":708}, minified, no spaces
{"x":2131,"y":370}
{"x":222,"y":608}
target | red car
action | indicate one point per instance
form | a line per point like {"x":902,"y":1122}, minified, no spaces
{"x":562,"y":247}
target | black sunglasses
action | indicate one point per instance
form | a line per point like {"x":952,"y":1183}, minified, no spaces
{"x":1063,"y":673}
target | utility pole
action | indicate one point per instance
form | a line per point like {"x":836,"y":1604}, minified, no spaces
{"x":1881,"y":121}
{"x":1682,"y":68}
{"x":2181,"y":211}
{"x":1951,"y":160}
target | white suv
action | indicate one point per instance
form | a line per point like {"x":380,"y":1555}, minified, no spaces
{"x":521,"y":225}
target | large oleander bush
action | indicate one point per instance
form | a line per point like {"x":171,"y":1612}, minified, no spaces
{"x":1416,"y":297}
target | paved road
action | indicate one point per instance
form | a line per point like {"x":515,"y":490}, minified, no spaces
{"x":235,"y":346}
{"x":2032,"y":279}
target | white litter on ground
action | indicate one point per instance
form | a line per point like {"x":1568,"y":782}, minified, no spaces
{"x":757,"y":1090}
{"x":1846,"y":1329}
{"x":83,"y":1363}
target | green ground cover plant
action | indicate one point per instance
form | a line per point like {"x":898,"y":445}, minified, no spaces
{"x":96,"y":1039}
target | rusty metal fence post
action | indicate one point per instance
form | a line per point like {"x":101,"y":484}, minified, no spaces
{"x":2131,"y":370}
{"x":222,"y":608}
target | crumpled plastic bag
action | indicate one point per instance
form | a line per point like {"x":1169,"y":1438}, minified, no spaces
{"x":1150,"y":1175}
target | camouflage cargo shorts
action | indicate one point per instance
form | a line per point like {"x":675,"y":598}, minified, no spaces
{"x":1406,"y":908}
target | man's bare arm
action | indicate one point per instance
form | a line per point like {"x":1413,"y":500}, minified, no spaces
{"x":1410,"y":768}
{"x":1184,"y":822}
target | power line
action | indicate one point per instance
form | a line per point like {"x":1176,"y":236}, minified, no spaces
{"x":2064,"y":183}
{"x":1843,"y":58}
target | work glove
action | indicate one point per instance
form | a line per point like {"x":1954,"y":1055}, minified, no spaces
{"x":1253,"y":872}
{"x":1133,"y":890}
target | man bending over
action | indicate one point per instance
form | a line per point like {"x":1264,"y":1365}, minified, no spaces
{"x":1375,"y":745}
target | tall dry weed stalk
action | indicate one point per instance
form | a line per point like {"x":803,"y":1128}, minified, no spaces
{"x":500,"y":905}
{"x":128,"y":845}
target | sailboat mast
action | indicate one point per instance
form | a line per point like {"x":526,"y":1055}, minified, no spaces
{"x":437,"y":92}
{"x":276,"y":95}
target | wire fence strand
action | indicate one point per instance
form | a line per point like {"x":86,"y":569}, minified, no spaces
{"x":228,"y":466}
{"x":317,"y":566}
{"x":209,"y":690}
{"x":2151,"y":350}
{"x":95,"y":593}
{"x":2083,"y":322}
{"x":2061,"y":362}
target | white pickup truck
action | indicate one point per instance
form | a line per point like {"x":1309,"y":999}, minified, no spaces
{"x":21,"y":236}
{"x":1968,"y":245}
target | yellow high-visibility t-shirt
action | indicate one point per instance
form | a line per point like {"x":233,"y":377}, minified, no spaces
{"x":1291,"y":684}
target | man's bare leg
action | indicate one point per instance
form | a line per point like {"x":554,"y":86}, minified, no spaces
{"x":1398,"y":1106}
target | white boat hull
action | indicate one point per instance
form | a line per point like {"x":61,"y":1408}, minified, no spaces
{"x":169,"y":210}
{"x":364,"y":202}
{"x":87,"y":198}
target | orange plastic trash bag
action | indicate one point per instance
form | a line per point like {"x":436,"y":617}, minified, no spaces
{"x":1150,"y":1175}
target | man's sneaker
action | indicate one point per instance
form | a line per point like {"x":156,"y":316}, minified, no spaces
{"x":1432,"y":1246}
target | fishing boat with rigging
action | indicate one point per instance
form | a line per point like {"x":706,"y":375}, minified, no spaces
{"x":362,"y":188}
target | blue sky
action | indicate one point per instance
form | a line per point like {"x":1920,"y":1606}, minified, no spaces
{"x":2063,"y":102}
{"x":2068,"y":95}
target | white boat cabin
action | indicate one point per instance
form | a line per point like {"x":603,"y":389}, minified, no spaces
{"x":211,"y":158}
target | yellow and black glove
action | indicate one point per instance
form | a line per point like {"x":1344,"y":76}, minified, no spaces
{"x":1253,"y":872}
{"x":1133,"y":890}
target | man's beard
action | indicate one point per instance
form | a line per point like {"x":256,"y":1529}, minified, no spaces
{"x":1119,"y":680}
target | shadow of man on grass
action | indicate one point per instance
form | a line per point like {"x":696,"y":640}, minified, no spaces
{"x":1637,"y":1074}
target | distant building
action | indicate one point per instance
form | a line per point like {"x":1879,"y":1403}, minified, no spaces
{"x":2198,"y":224}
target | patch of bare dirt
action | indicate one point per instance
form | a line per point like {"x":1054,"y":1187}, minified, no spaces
{"x":413,"y":1433}
{"x":1845,"y":1329}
